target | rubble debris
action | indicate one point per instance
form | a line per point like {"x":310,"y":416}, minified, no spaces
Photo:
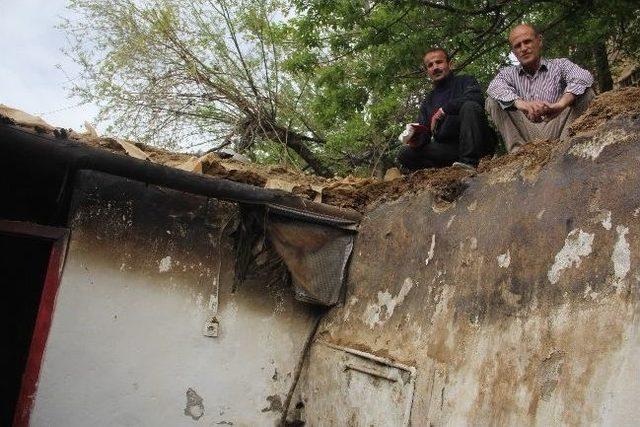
{"x":361,"y":194}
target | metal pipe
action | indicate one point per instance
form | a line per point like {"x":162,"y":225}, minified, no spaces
{"x":75,"y":155}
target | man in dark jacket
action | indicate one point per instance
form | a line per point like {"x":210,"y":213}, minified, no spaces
{"x":452,"y":127}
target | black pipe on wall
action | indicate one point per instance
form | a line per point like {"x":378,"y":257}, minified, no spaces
{"x":17,"y":141}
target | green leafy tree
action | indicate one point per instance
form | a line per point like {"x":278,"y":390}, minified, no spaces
{"x":182,"y":73}
{"x":365,"y":55}
{"x":322,"y":84}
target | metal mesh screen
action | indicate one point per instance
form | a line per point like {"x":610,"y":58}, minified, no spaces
{"x":315,"y":254}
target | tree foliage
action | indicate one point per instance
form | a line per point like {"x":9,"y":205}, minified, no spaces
{"x":183,"y":73}
{"x":320,"y":84}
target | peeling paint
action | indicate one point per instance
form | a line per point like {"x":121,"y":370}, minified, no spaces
{"x":472,"y":207}
{"x":431,"y":250}
{"x":539,"y":215}
{"x":374,"y":315}
{"x":548,"y":375}
{"x":606,"y":222}
{"x":165,"y":264}
{"x":473,"y":243}
{"x":347,"y":312}
{"x":621,"y":256}
{"x":504,"y":260}
{"x":576,"y":245}
{"x":594,"y":147}
{"x":195,"y":406}
{"x":275,"y":404}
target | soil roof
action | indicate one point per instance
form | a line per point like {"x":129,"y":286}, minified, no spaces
{"x":360,"y":194}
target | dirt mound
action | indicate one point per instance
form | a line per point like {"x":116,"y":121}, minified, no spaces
{"x":607,"y":106}
{"x":361,"y":194}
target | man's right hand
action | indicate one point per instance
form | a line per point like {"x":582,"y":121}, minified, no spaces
{"x":534,"y":110}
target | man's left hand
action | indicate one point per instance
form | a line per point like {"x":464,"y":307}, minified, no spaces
{"x":554,"y":109}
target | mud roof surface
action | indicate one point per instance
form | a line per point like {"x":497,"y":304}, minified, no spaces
{"x":361,"y":194}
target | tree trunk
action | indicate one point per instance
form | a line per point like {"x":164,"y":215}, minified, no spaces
{"x":603,"y":71}
{"x":297,"y":144}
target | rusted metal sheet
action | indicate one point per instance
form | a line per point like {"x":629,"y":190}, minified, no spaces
{"x":315,"y":254}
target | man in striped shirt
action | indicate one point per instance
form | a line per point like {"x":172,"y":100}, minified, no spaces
{"x":539,"y":98}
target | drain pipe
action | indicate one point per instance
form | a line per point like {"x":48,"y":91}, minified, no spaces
{"x":75,"y":156}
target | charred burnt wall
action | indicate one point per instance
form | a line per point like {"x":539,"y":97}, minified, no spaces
{"x":518,"y":301}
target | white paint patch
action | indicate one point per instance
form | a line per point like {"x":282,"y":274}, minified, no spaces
{"x":576,"y":245}
{"x":472,"y":207}
{"x":606,"y":222}
{"x":431,"y":250}
{"x":621,"y":256}
{"x":588,"y":292}
{"x":504,"y":260}
{"x":165,"y":264}
{"x":539,"y":215}
{"x":473,"y":243}
{"x":451,"y":221}
{"x":594,"y":147}
{"x":373,"y":314}
{"x":347,"y":312}
{"x":636,"y":213}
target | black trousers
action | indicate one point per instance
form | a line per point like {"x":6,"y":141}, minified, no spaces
{"x":463,"y":138}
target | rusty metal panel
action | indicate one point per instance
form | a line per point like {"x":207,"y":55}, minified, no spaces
{"x":344,"y":386}
{"x":315,"y":254}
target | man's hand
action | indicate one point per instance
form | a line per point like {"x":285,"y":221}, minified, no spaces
{"x":534,"y":110}
{"x":436,"y":117}
{"x":554,"y":109}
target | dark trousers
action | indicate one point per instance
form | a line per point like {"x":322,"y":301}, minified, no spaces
{"x":462,"y":138}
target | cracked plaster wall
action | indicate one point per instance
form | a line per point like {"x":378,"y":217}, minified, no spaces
{"x":518,"y":303}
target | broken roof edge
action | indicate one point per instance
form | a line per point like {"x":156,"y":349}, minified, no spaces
{"x":16,"y":139}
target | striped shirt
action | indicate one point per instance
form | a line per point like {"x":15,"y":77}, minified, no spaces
{"x":553,"y":78}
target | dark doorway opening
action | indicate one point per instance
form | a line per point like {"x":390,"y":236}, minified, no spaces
{"x":30,"y":257}
{"x":23,"y":266}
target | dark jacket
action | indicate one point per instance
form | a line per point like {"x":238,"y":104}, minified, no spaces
{"x":462,"y":88}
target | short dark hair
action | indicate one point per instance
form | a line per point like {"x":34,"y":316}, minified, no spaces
{"x":437,"y":49}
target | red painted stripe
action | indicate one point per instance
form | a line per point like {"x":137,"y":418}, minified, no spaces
{"x":40,"y":333}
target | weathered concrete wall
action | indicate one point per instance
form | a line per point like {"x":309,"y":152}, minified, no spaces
{"x":518,"y":303}
{"x":126,"y":346}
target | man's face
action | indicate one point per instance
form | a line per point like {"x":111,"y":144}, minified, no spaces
{"x":526,"y":45}
{"x":437,"y":65}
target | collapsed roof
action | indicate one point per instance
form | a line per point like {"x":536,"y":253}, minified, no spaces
{"x":360,"y":194}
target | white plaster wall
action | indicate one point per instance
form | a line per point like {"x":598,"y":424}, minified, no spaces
{"x":124,"y":347}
